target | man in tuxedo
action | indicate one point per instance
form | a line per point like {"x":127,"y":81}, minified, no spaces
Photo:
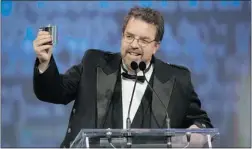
{"x":101,"y":84}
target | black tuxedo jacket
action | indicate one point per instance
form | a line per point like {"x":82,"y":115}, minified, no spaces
{"x":91,"y":84}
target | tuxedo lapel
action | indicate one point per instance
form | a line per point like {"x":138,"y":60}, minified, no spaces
{"x":107,"y":71}
{"x":163,"y":84}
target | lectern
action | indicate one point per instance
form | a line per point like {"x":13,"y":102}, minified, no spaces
{"x":145,"y":138}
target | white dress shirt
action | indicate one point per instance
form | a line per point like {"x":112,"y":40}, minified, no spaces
{"x":127,"y":89}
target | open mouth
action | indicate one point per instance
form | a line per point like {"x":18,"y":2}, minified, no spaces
{"x":134,"y":54}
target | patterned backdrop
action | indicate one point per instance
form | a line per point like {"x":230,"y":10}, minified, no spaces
{"x":212,"y":39}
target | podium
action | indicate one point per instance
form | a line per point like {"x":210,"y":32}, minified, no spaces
{"x":146,"y":138}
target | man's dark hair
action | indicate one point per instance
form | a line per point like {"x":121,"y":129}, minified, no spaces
{"x":149,"y":16}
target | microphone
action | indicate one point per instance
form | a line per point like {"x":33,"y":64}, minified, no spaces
{"x":134,"y":66}
{"x":142,"y":67}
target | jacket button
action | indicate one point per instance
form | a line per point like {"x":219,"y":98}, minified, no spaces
{"x":74,"y":111}
{"x":69,"y":130}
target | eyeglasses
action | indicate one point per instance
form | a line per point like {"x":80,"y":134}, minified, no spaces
{"x":141,"y":42}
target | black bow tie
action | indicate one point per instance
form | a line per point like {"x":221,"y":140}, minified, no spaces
{"x":133,"y":77}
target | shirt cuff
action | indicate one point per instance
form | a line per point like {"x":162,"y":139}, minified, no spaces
{"x":40,"y":71}
{"x":200,"y":125}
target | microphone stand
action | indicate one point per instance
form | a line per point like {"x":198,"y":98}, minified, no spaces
{"x":169,"y":136}
{"x":142,"y":67}
{"x":134,"y":66}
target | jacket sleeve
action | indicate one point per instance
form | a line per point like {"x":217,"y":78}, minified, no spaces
{"x":53,"y":87}
{"x":195,"y":115}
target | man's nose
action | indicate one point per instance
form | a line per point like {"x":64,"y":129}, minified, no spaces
{"x":134,"y":43}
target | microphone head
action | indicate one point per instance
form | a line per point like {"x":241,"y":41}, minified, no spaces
{"x":134,"y":65}
{"x":142,"y":66}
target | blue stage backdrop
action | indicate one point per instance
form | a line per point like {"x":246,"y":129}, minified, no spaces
{"x":211,"y":38}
